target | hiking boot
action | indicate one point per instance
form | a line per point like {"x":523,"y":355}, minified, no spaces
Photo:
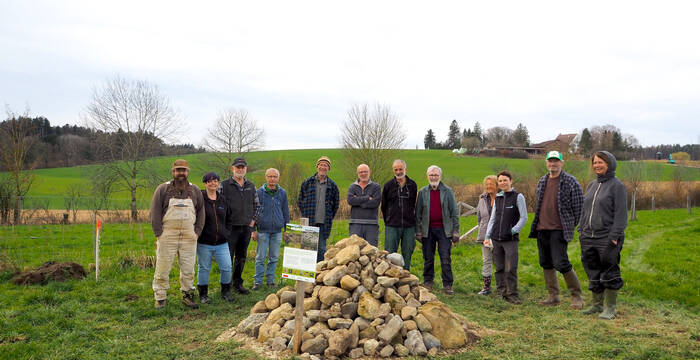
{"x":428,"y":285}
{"x":513,"y":299}
{"x":487,"y":286}
{"x":256,"y":286}
{"x":160,"y":304}
{"x":550,"y":280}
{"x":271,"y":285}
{"x":596,"y":305}
{"x":241,"y":289}
{"x":226,"y":292}
{"x":448,"y":290}
{"x":188,"y":299}
{"x":203,"y":294}
{"x":575,"y":289}
{"x":609,"y":312}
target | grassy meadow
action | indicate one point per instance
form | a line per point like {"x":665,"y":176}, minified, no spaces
{"x":114,"y":318}
{"x":52,"y":185}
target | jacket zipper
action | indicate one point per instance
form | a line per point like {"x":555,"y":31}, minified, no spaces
{"x":590,"y":217}
{"x":503,"y":213}
{"x":216,"y":222}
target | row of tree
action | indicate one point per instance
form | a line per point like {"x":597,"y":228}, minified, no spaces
{"x":474,"y":139}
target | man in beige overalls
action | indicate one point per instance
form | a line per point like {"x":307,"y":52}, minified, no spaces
{"x":177,"y":218}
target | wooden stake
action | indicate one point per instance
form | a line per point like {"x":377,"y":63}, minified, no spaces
{"x":299,"y":316}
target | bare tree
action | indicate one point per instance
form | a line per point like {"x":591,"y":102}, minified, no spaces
{"x":654,"y":173}
{"x":499,"y":135}
{"x":372,"y":135}
{"x":17,"y":137}
{"x":634,"y":175}
{"x":132,"y":119}
{"x":235,"y":133}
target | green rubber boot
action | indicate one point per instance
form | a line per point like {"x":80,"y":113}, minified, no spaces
{"x":596,"y":304}
{"x":610,"y":304}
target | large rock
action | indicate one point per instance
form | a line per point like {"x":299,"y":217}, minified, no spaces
{"x":349,"y":283}
{"x":280,"y":313}
{"x":395,"y":300}
{"x":430,"y":341}
{"x":414,"y":343}
{"x":272,"y":302}
{"x":395,"y":258}
{"x":339,"y":323}
{"x":330,"y":295}
{"x":369,"y":251}
{"x":381,"y":268}
{"x":394,"y":272}
{"x":391,"y":329}
{"x":338,"y":343}
{"x":386,"y":281}
{"x":348,"y":254}
{"x":349,"y":310}
{"x":411,"y":280}
{"x":408,"y":312}
{"x":426,"y":296}
{"x":422,"y":323}
{"x":318,"y":315}
{"x":259,"y":307}
{"x":368,"y":306}
{"x":314,"y":346}
{"x":312,"y":303}
{"x":370,"y":347}
{"x":332,"y":278}
{"x":289,"y":297}
{"x":445,"y":325}
{"x":401,"y":351}
{"x":252,"y":323}
{"x":386,"y":351}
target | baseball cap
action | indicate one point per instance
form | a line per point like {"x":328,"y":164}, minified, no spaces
{"x":180,"y":164}
{"x":239,"y":161}
{"x":554,"y":155}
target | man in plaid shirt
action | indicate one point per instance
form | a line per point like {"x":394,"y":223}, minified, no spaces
{"x":559,"y":204}
{"x":319,"y":199}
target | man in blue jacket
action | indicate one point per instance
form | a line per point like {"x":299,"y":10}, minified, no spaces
{"x":272,"y":219}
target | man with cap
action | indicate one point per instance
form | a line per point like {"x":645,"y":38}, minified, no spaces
{"x":177,"y":218}
{"x":318,"y":201}
{"x":364,"y":196}
{"x":559,"y":204}
{"x":399,"y":211}
{"x":242,"y":197}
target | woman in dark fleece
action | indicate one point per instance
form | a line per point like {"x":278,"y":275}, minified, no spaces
{"x":602,"y":233}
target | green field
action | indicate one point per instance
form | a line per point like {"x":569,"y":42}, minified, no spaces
{"x":114,"y":318}
{"x":51,"y":185}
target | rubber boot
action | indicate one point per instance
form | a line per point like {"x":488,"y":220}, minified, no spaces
{"x":575,"y":289}
{"x":203,"y":294}
{"x":487,"y":286}
{"x":188,"y":299}
{"x":550,"y":280}
{"x":610,"y":304}
{"x":226,"y":292}
{"x":596,"y":305}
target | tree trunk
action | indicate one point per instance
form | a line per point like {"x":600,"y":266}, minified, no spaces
{"x":653,"y":203}
{"x":134,"y":210}
{"x":18,"y":211}
{"x":687,"y":202}
{"x":633,"y":216}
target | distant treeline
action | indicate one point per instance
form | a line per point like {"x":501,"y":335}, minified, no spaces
{"x":71,"y":145}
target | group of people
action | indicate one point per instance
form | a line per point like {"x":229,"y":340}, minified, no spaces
{"x":601,"y":217}
{"x":219,"y":221}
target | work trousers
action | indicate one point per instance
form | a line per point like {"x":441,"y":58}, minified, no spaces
{"x":601,"y":260}
{"x":182,"y":243}
{"x":406,"y":236}
{"x":238,"y":247}
{"x":436,"y":237}
{"x":369,"y":232}
{"x":487,"y":261}
{"x":552,"y":249}
{"x":505,"y":258}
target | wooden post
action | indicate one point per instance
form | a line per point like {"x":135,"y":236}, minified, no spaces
{"x":299,"y":316}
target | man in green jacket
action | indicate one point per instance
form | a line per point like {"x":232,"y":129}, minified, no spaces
{"x":437,"y":224}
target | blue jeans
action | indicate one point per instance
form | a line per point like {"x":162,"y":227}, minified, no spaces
{"x":223,"y":258}
{"x":267,"y":242}
{"x":321,"y":242}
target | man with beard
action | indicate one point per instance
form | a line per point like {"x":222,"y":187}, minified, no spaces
{"x":242,"y":196}
{"x":318,"y":201}
{"x":364,"y":196}
{"x":399,"y":211}
{"x":437,"y":224}
{"x":177,"y":218}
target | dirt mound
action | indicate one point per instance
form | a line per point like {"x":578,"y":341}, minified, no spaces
{"x":50,"y":271}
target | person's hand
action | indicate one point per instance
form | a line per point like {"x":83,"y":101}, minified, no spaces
{"x":487,"y":243}
{"x":419,"y":238}
{"x":455,"y":238}
{"x":252,"y":223}
{"x":254,"y":235}
{"x":614,"y":242}
{"x":512,"y":231}
{"x":155,"y":244}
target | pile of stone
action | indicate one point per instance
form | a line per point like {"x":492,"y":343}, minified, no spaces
{"x":363,"y":304}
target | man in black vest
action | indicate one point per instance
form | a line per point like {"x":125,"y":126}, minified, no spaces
{"x":242,"y":196}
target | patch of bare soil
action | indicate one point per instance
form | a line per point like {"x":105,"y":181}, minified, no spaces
{"x":50,"y":271}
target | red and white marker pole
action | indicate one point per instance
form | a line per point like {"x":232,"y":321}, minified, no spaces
{"x":97,"y":249}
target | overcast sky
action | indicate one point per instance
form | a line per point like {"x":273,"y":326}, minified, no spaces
{"x":297,"y":66}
